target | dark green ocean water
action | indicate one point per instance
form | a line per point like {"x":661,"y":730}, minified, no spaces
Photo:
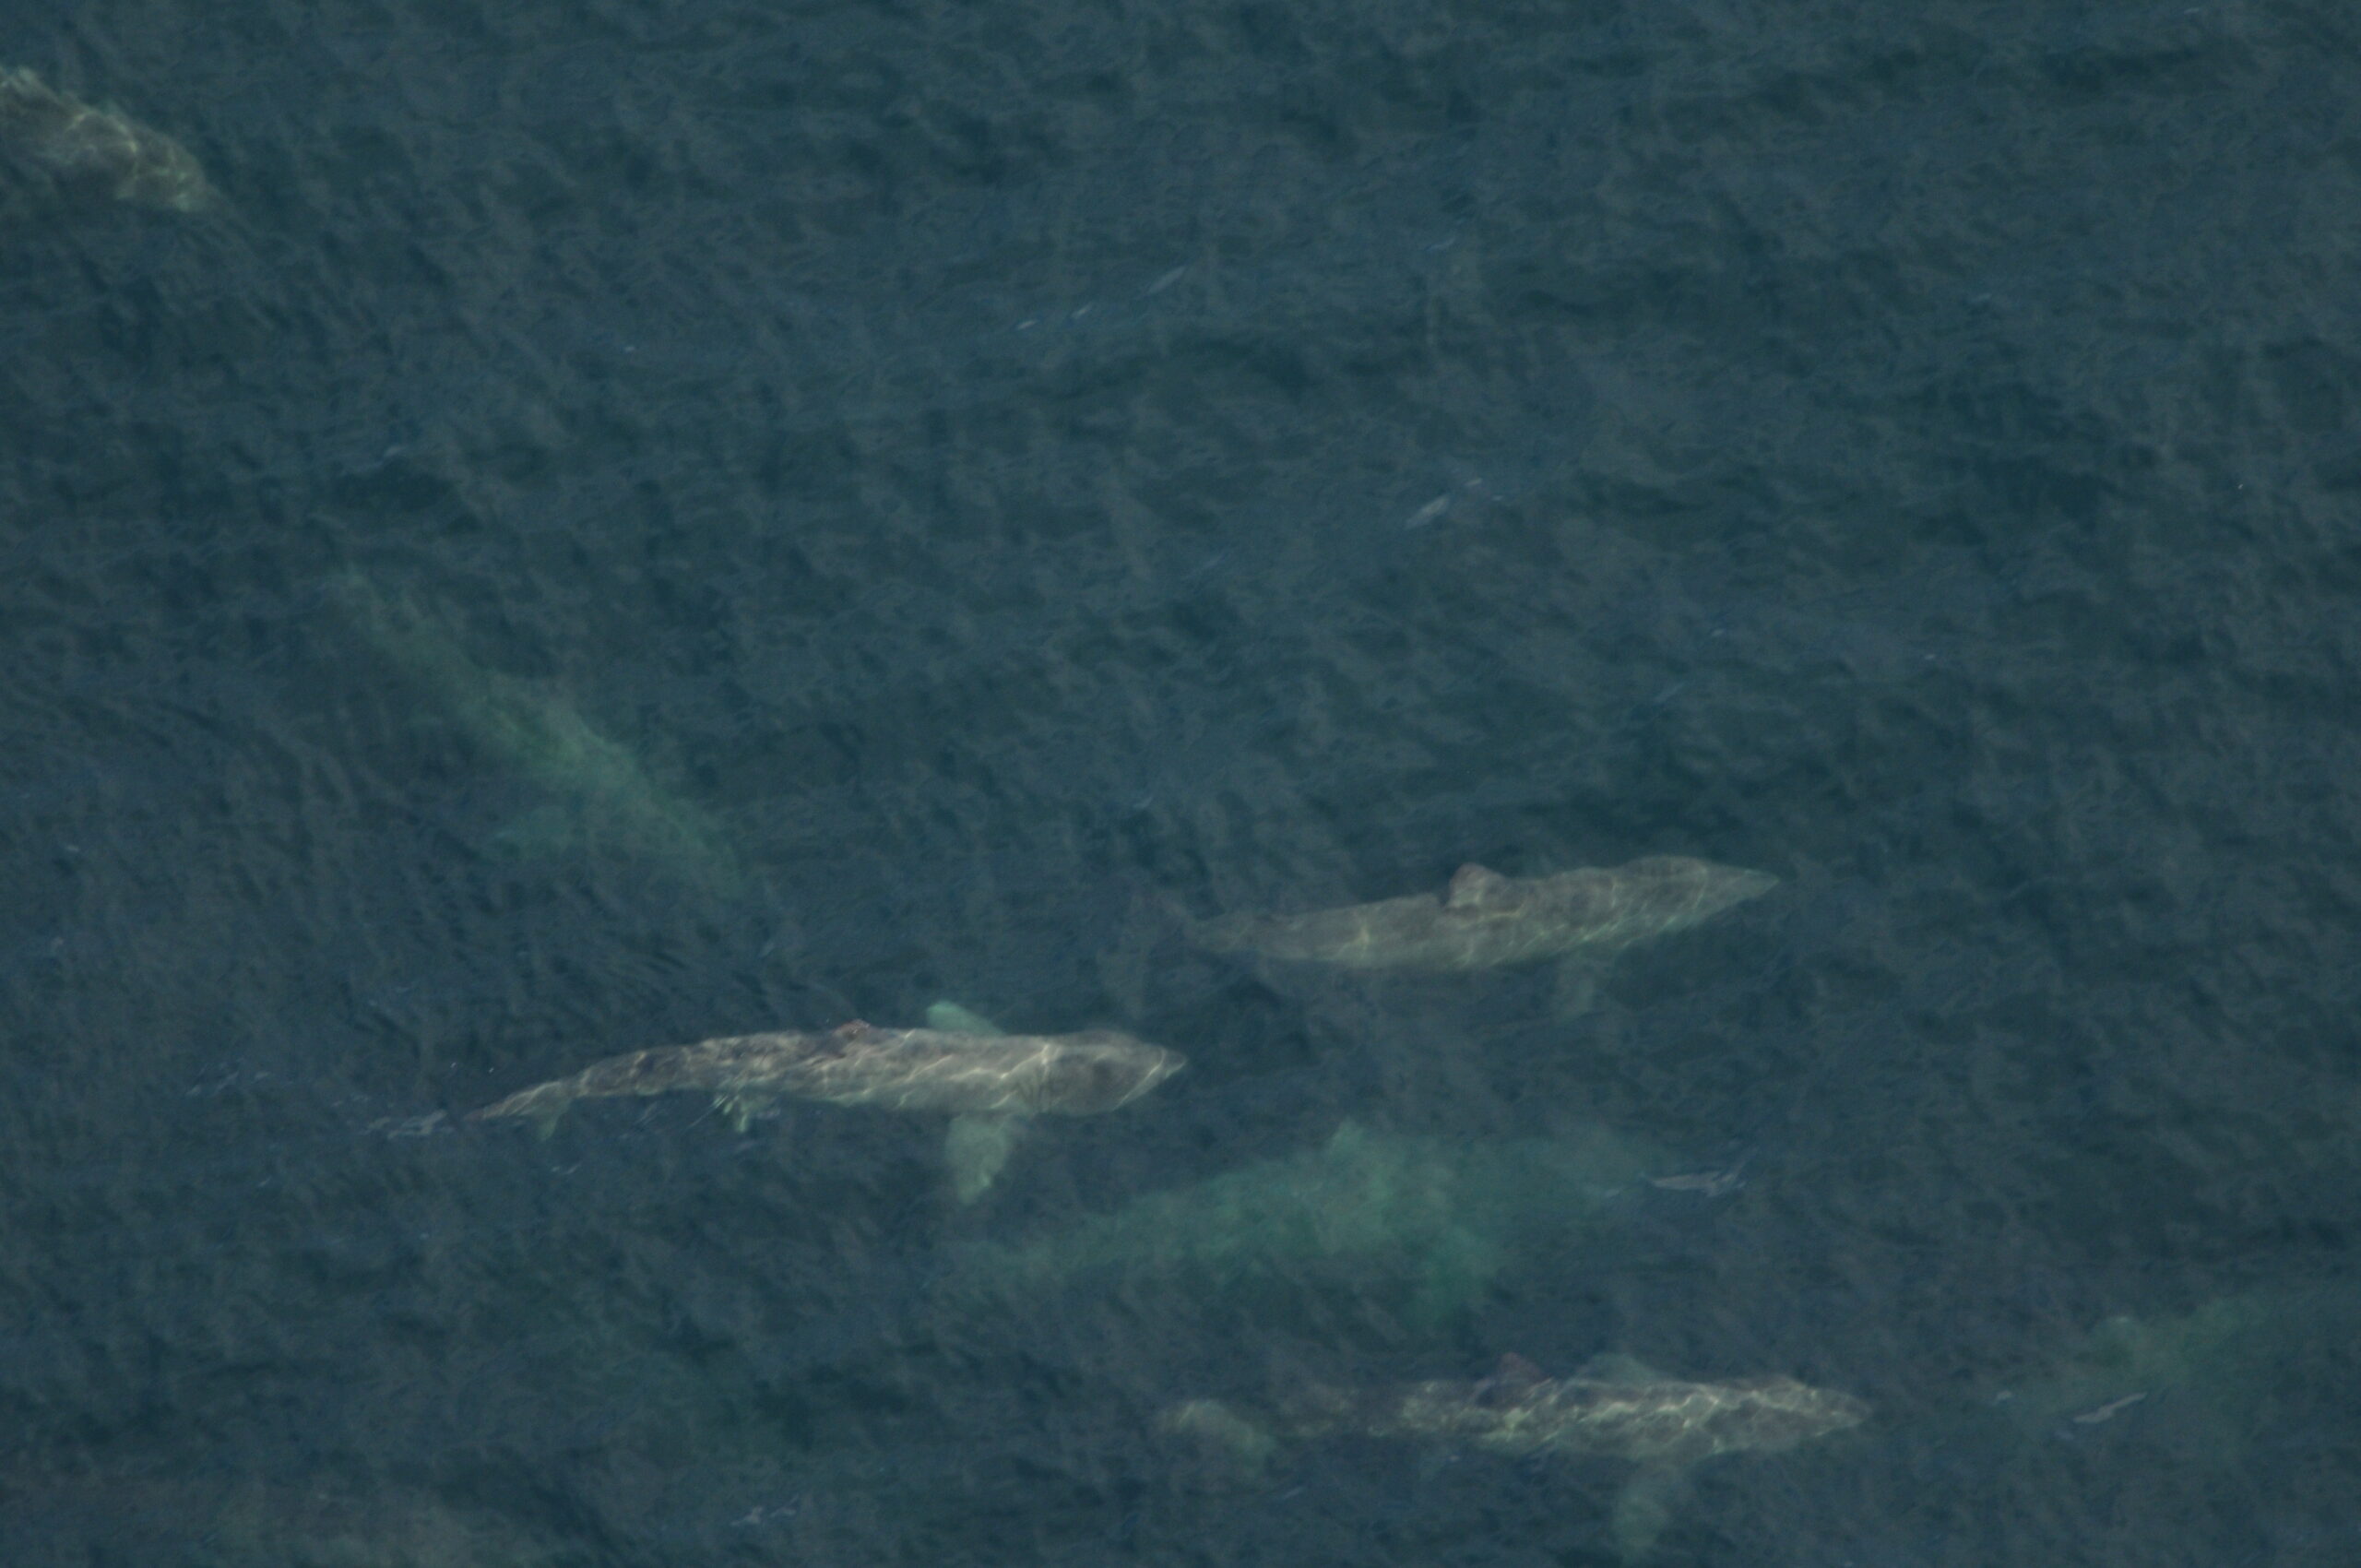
{"x":994,"y":479}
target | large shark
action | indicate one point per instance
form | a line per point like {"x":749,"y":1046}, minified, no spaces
{"x":1616,"y":1408}
{"x":987,"y":1080}
{"x":1487,"y":921}
{"x":1409,"y":1224}
{"x":66,"y":142}
{"x":596,"y":789}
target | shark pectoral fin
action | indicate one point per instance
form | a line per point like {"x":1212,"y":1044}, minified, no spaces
{"x":1575,"y":989}
{"x":1644,"y":1507}
{"x":1613,"y":1366}
{"x":976,"y":1147}
{"x":741,"y":1106}
{"x":953,"y":1018}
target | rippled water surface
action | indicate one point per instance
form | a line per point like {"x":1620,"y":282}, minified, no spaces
{"x":636,"y":522}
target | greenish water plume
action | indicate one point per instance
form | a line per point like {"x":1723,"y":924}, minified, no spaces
{"x":1425,"y":1223}
{"x":600,"y":795}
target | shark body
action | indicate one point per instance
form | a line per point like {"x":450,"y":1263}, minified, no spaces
{"x":984,"y":1079}
{"x":1618,"y":1410}
{"x":62,"y":140}
{"x":1631,"y":1414}
{"x":1487,"y":921}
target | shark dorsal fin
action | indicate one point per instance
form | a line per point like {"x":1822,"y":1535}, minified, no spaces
{"x":1515,"y":1371}
{"x":1473,"y":886}
{"x":953,"y":1018}
{"x":1614,"y":1367}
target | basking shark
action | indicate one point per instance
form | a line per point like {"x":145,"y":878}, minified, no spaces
{"x":987,"y":1080}
{"x":596,"y":788}
{"x":70,"y":144}
{"x":1617,"y":1409}
{"x":1486,"y":920}
{"x":2220,"y":1368}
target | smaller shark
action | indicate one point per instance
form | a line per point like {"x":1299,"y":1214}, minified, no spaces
{"x":1617,"y":1409}
{"x":1487,"y":921}
{"x":72,"y":144}
{"x":987,"y":1080}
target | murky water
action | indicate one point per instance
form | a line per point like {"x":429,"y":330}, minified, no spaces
{"x":633,"y":524}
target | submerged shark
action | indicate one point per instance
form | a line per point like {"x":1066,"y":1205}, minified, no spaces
{"x":987,"y":1080}
{"x":2214,"y":1366}
{"x":1616,"y":1408}
{"x":70,"y":144}
{"x":1486,"y":920}
{"x":597,"y":789}
{"x":1415,"y":1225}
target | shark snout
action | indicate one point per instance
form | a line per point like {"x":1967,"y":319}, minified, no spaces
{"x":1743,"y":886}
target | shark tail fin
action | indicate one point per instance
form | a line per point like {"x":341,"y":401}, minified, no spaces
{"x":542,"y":1105}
